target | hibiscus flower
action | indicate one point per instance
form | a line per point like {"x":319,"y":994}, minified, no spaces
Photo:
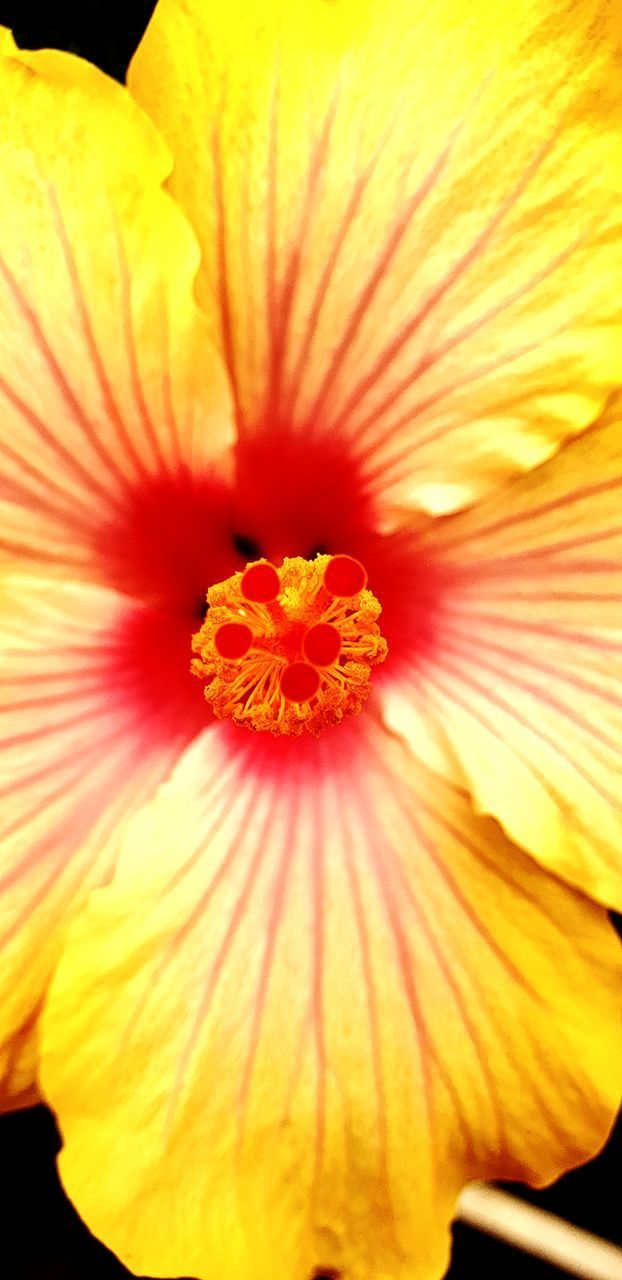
{"x":311,"y":467}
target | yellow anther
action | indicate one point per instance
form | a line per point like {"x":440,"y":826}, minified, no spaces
{"x":299,"y":661}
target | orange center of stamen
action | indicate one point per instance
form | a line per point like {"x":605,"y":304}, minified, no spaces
{"x":290,"y":649}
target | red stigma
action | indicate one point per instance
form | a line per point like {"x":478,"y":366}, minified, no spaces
{"x":299,"y":682}
{"x":233,"y":640}
{"x":260,"y":583}
{"x":344,"y":576}
{"x":322,"y":644}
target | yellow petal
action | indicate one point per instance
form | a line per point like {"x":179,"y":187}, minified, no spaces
{"x":83,"y":743}
{"x":409,"y":216}
{"x":320,"y":995}
{"x":523,"y":675}
{"x":106,"y":376}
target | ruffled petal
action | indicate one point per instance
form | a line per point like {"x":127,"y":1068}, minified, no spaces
{"x":106,"y":373}
{"x":409,"y":216}
{"x":319,"y":995}
{"x":521,"y":674}
{"x":82,"y":747}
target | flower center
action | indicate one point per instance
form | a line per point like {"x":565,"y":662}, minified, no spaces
{"x":290,"y":649}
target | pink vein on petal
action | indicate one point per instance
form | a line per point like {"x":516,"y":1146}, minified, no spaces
{"x":431,"y":359}
{"x":464,"y":647}
{"x":315,"y":824}
{"x":272,"y":317}
{"x":427,"y":307}
{"x":239,"y":910}
{"x":112,"y":407}
{"x":125,"y":281}
{"x":341,"y":234}
{"x":528,"y":514}
{"x":278,"y":899}
{"x":387,"y":465}
{"x":378,"y":273}
{"x":71,"y":511}
{"x":490,"y":696}
{"x":371,"y":994}
{"x":50,"y":845}
{"x":224,"y":283}
{"x":469,"y":1025}
{"x":589,"y":640}
{"x":66,"y":391}
{"x":283,"y":305}
{"x":446,"y":875}
{"x":404,"y":965}
{"x":170,"y":412}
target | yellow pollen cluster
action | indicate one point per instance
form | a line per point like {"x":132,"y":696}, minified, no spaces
{"x":291,"y":649}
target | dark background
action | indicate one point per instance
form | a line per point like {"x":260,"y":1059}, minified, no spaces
{"x":41,"y":1236}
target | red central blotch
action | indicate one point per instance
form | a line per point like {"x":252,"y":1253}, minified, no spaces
{"x":176,"y":534}
{"x":296,"y":496}
{"x":170,"y":540}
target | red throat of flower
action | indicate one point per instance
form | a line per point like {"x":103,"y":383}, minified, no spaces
{"x":290,"y":649}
